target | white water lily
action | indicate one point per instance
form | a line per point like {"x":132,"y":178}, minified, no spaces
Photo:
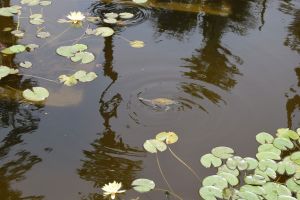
{"x":112,"y":189}
{"x":76,"y":17}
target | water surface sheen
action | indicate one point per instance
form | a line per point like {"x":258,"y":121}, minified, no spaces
{"x":233,"y":67}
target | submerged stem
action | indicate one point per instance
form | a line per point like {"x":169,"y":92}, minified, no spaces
{"x":162,"y":174}
{"x":186,"y":165}
{"x":38,"y":77}
{"x":123,"y":38}
{"x":56,"y":37}
{"x":171,"y":193}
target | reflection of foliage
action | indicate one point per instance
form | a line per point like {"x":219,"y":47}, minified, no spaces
{"x":110,"y":159}
{"x":293,"y":105}
{"x":292,"y":40}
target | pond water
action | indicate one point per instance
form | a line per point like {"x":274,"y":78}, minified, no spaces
{"x":233,"y":69}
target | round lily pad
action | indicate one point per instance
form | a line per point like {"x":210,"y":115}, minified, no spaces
{"x":36,"y":94}
{"x":143,"y":185}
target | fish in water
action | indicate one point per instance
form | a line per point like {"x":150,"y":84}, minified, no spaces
{"x":160,"y":103}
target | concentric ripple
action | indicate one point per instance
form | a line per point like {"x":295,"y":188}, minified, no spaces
{"x":140,"y":13}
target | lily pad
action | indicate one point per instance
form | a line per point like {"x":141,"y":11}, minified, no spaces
{"x":84,"y":57}
{"x":43,"y":34}
{"x":255,"y":180}
{"x":209,"y":160}
{"x":110,"y":20}
{"x":169,"y":137}
{"x":287,"y":133}
{"x":18,"y":33}
{"x":10,"y":11}
{"x":137,"y":44}
{"x":5,"y":71}
{"x":295,"y":157}
{"x":215,"y":180}
{"x":26,"y":64}
{"x":143,"y":185}
{"x":222,"y":152}
{"x":104,"y":31}
{"x":14,"y":49}
{"x":83,"y":76}
{"x":30,"y":2}
{"x":126,"y":15}
{"x":211,"y":193}
{"x":68,"y":80}
{"x":153,"y":145}
{"x":267,"y":155}
{"x":111,"y":15}
{"x":264,"y":138}
{"x":139,"y":1}
{"x":283,"y":143}
{"x":45,"y":3}
{"x":36,"y":94}
{"x":230,"y":178}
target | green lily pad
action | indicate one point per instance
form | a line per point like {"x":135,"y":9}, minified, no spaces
{"x":242,"y":165}
{"x":104,"y":31}
{"x":230,"y":178}
{"x":224,"y":168}
{"x":84,"y":57}
{"x":14,"y":49}
{"x":10,"y":11}
{"x":246,"y":195}
{"x":43,"y":34}
{"x":267,"y":163}
{"x":254,"y":189}
{"x":68,"y":80}
{"x":143,"y":185}
{"x":153,"y":145}
{"x":169,"y":137}
{"x":209,"y":160}
{"x":252,"y":163}
{"x":139,"y":1}
{"x":231,"y":163}
{"x":255,"y":180}
{"x":45,"y":3}
{"x":287,"y":133}
{"x":295,"y":157}
{"x":110,"y":20}
{"x":83,"y":76}
{"x":264,"y":138}
{"x":283,"y":143}
{"x":111,"y":15}
{"x":284,"y":197}
{"x":269,"y":148}
{"x":36,"y":94}
{"x":26,"y":64}
{"x":286,"y":167}
{"x":18,"y":33}
{"x":210,"y":193}
{"x":30,"y":2}
{"x":216,"y":181}
{"x":267,"y":155}
{"x":292,"y":185}
{"x":222,"y":152}
{"x":5,"y":71}
{"x":126,"y":15}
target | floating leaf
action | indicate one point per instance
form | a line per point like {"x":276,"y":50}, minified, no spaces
{"x":137,"y":44}
{"x":43,"y":34}
{"x":14,"y":49}
{"x":18,"y":33}
{"x":139,"y":1}
{"x":84,"y":57}
{"x":224,"y":168}
{"x":93,"y":19}
{"x":231,"y":163}
{"x":5,"y":71}
{"x":210,"y":193}
{"x":153,"y":145}
{"x":111,"y":15}
{"x":222,"y":152}
{"x":267,"y":163}
{"x":45,"y":3}
{"x":269,"y":148}
{"x":292,"y":185}
{"x":36,"y":94}
{"x":126,"y":15}
{"x":26,"y":64}
{"x":209,"y":159}
{"x":104,"y":31}
{"x":215,"y":180}
{"x":267,"y":155}
{"x":143,"y":185}
{"x":110,"y":20}
{"x":246,"y":195}
{"x":83,"y":76}
{"x":264,"y":138}
{"x":169,"y":137}
{"x":255,"y":180}
{"x":10,"y":11}
{"x":252,"y":163}
{"x":283,"y":143}
{"x":286,"y":167}
{"x":30,"y":2}
{"x":32,"y":47}
{"x":254,"y":189}
{"x":230,"y":178}
{"x":273,"y":190}
{"x":284,"y":197}
{"x":242,"y":165}
{"x":295,"y":157}
{"x":287,"y":133}
{"x":67,"y":80}
{"x":36,"y":19}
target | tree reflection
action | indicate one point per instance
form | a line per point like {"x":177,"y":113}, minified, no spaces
{"x":110,"y":159}
{"x":16,"y":120}
{"x":292,"y":40}
{"x":214,"y":65}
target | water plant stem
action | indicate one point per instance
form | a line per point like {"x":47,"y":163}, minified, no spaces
{"x":171,"y":193}
{"x":39,"y":77}
{"x":123,"y":38}
{"x":184,"y":163}
{"x":18,"y":23}
{"x":56,"y":37}
{"x":162,"y":174}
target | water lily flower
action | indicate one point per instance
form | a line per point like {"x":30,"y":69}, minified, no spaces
{"x":112,"y":189}
{"x":76,"y":17}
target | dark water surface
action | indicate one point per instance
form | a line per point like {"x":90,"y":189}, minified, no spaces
{"x":232,"y":76}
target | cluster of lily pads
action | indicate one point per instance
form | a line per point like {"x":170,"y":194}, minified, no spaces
{"x":273,"y":175}
{"x":75,"y":52}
